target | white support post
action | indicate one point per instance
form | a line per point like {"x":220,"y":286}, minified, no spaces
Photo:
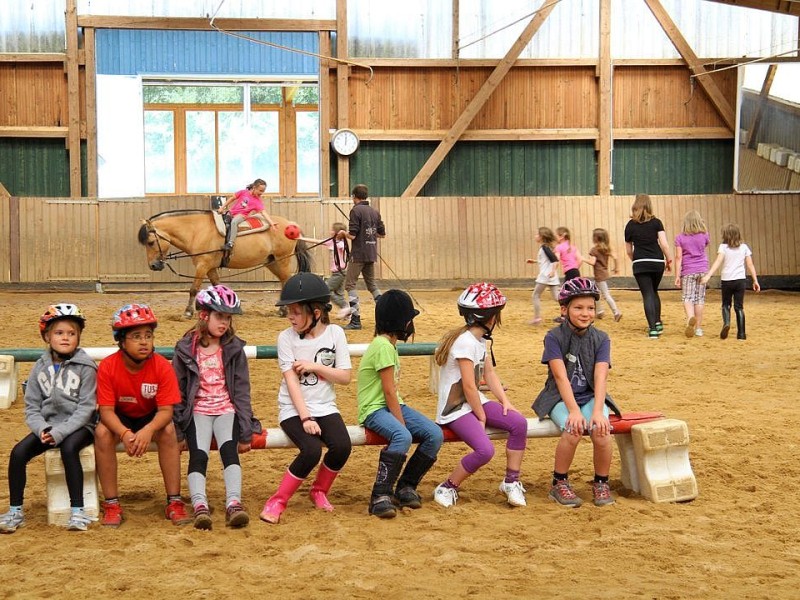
{"x":9,"y":370}
{"x":662,"y":461}
{"x":58,"y":504}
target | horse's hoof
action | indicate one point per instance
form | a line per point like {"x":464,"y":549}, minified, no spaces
{"x":282,"y":312}
{"x":188,"y":314}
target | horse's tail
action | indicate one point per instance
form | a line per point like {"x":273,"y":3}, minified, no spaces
{"x":304,"y":261}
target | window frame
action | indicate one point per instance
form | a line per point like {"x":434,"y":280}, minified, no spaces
{"x":287,"y":132}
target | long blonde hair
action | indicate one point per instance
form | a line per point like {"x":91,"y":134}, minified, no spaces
{"x":447,"y":341}
{"x":693,"y":223}
{"x":601,"y":242}
{"x":642,"y":209}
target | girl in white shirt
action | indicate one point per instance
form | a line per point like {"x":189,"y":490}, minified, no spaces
{"x":461,"y":357}
{"x":734,"y":256}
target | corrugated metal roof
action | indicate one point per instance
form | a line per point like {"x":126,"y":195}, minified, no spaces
{"x":32,"y":26}
{"x":136,"y":51}
{"x":227,"y":9}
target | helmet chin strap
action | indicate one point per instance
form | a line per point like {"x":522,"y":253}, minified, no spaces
{"x":314,"y":321}
{"x":63,"y":357}
{"x":487,"y":335}
{"x":575,"y":327}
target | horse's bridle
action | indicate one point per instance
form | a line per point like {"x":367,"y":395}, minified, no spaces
{"x":157,"y":265}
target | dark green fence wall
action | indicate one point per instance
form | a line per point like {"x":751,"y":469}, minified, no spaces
{"x":545,"y":168}
{"x":673,"y":167}
{"x":37,"y":167}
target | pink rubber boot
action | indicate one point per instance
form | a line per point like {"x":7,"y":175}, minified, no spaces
{"x":278,"y":501}
{"x":321,"y":486}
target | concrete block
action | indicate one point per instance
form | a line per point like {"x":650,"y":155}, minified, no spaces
{"x":662,"y":460}
{"x":780,"y":156}
{"x":58,"y":505}
{"x":9,"y":371}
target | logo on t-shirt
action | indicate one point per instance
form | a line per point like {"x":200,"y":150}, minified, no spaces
{"x":149,"y":390}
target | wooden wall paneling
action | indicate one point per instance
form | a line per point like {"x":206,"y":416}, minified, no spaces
{"x":476,"y":103}
{"x":5,"y":236}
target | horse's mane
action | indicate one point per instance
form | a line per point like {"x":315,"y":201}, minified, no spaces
{"x":176,"y":213}
{"x":143,"y":233}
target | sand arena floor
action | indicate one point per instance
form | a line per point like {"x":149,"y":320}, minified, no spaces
{"x":739,"y":539}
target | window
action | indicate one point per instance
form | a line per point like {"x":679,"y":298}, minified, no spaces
{"x":216,"y":138}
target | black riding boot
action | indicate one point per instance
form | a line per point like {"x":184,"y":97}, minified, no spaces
{"x":355,"y":322}
{"x":726,"y":322}
{"x":229,"y":237}
{"x":406,"y":492}
{"x":740,"y":332}
{"x":389,"y":465}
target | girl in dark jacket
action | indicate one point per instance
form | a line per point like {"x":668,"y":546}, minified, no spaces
{"x":214,"y":380}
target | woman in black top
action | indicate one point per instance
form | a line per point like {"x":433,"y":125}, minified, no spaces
{"x":647,"y":246}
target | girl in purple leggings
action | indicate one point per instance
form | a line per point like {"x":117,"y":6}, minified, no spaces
{"x":461,"y":356}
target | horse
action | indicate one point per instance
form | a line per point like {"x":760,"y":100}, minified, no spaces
{"x":194,"y":233}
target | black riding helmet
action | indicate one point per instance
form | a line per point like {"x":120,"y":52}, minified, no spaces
{"x":394,"y":314}
{"x":308,"y":289}
{"x":304,"y":287}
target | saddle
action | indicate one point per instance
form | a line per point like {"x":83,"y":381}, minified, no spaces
{"x":249,"y":225}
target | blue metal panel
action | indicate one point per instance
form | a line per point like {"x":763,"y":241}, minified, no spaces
{"x":673,"y":167}
{"x":140,"y":51}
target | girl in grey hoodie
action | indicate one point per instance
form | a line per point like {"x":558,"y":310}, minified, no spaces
{"x":60,"y":410}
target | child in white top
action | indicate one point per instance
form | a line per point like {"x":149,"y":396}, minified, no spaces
{"x":461,"y":357}
{"x":734,"y":256}
{"x":548,"y":271}
{"x":313,"y":356}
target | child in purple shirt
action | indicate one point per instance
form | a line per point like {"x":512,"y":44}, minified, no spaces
{"x":691,"y":263}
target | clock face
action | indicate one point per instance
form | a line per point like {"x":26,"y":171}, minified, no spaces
{"x":345,"y":142}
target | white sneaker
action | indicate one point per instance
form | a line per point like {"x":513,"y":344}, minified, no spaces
{"x":344,"y":313}
{"x":445,"y":496}
{"x":80,"y":521}
{"x":514,"y":492}
{"x":698,"y":332}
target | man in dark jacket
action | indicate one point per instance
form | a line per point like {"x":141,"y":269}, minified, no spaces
{"x":364,"y":229}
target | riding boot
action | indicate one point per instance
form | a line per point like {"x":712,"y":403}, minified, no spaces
{"x":726,"y":322}
{"x":740,"y":332}
{"x":380,"y":503}
{"x":355,"y":322}
{"x":406,"y":492}
{"x":229,"y":237}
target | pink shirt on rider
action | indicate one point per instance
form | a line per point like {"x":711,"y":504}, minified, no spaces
{"x":245,"y":203}
{"x":568,"y":255}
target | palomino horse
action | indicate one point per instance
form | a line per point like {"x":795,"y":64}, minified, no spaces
{"x":195,"y":234}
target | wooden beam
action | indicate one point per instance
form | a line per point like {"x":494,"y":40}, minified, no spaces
{"x":73,"y":101}
{"x":674,"y":133}
{"x":120,"y":22}
{"x":763,"y":96}
{"x":90,"y":78}
{"x":605,"y":114}
{"x":463,"y":121}
{"x":324,"y":115}
{"x":437,"y":135}
{"x":456,"y":30}
{"x":22,"y":131}
{"x":695,"y":64}
{"x":4,"y":193}
{"x":786,"y":7}
{"x":342,"y":95}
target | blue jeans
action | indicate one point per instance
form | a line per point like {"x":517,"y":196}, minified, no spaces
{"x":418,"y":427}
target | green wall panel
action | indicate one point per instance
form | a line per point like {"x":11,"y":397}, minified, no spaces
{"x":479,"y":168}
{"x":673,"y":167}
{"x":37,"y":167}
